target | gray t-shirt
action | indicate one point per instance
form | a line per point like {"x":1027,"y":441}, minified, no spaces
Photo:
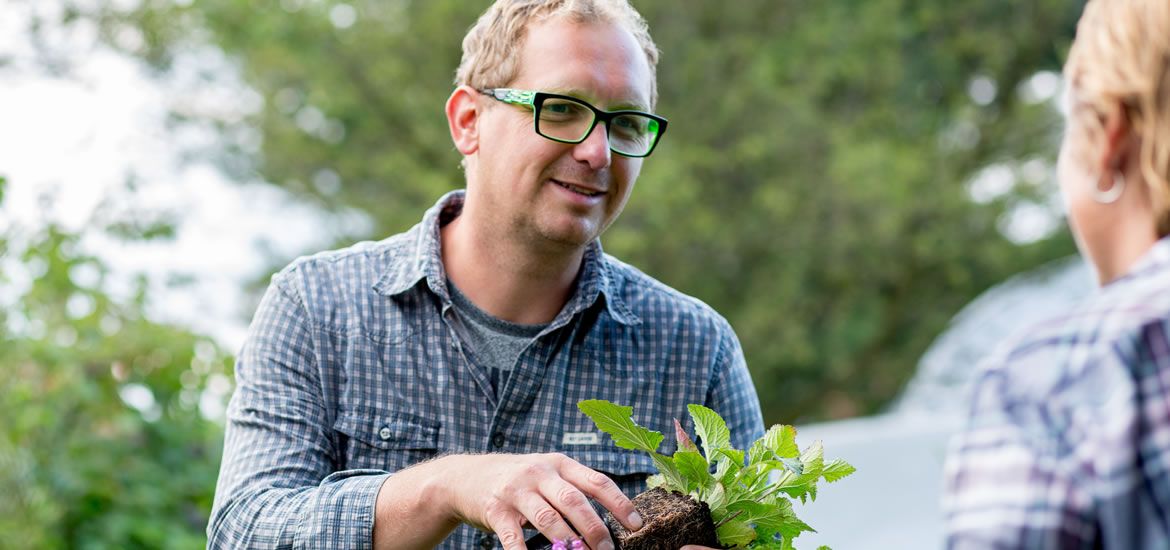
{"x":491,"y":343}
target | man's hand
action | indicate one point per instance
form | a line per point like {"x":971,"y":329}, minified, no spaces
{"x":500,"y":493}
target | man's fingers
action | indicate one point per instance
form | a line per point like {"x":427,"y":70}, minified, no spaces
{"x":544,"y":518}
{"x":575,"y":507}
{"x":507,"y":529}
{"x":604,"y":491}
{"x":506,"y":522}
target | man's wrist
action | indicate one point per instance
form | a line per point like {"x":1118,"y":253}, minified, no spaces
{"x":414,"y":507}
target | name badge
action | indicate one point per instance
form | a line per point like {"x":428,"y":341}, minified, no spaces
{"x":581,"y":438}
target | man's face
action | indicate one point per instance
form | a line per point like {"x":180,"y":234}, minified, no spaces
{"x":543,"y":192}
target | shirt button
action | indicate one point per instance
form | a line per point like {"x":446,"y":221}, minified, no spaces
{"x":498,"y":440}
{"x":486,"y":542}
{"x":385,"y":433}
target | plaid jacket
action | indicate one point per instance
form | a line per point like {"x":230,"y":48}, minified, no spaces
{"x":351,"y":372}
{"x":1068,"y":443}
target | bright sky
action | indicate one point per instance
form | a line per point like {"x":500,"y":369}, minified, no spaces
{"x":77,"y":138}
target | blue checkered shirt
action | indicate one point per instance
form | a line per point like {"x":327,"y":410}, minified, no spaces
{"x":352,"y":370}
{"x":1068,"y":443}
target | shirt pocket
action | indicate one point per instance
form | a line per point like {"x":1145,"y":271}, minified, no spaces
{"x":388,"y":441}
{"x":629,"y":469}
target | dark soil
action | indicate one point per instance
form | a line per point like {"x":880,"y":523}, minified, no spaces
{"x":670,"y":521}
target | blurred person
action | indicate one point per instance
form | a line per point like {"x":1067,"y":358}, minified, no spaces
{"x":404,"y":393}
{"x":1068,"y":443}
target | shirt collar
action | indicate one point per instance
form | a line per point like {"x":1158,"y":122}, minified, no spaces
{"x":423,"y":260}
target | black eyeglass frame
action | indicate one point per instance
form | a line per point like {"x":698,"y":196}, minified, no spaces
{"x":535,"y":100}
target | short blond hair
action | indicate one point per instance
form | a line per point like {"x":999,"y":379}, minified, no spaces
{"x":1121,"y":56}
{"x":491,"y":47}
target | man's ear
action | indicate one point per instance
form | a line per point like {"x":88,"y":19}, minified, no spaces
{"x":463,"y":110}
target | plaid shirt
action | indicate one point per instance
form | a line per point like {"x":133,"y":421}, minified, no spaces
{"x":352,"y":371}
{"x":1068,"y":444}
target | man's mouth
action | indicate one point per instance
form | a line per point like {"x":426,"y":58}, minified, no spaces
{"x":578,"y":189}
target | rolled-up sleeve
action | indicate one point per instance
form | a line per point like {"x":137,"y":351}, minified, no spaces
{"x":278,"y":485}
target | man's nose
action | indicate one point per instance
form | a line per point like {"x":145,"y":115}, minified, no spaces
{"x":595,"y":149}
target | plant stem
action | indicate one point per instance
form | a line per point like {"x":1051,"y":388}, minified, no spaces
{"x":728,"y":518}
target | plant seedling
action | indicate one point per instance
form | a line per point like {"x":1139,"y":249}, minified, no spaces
{"x":719,"y":495}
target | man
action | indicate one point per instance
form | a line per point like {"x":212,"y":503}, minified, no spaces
{"x":472,"y":337}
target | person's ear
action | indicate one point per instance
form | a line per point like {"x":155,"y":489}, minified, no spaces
{"x":1117,"y":139}
{"x":463,"y":110}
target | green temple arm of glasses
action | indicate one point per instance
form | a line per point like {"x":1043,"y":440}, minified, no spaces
{"x":509,"y":95}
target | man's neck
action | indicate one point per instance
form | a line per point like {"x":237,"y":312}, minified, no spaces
{"x":507,"y":279}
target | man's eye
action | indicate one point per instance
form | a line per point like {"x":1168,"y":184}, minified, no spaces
{"x":563,"y":108}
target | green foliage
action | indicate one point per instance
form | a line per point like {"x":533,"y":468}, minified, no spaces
{"x":747,"y":499}
{"x":79,"y":466}
{"x":615,"y":421}
{"x":811,"y":189}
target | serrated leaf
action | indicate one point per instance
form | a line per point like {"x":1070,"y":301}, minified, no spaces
{"x":735,"y":456}
{"x":716,"y":499}
{"x":673,"y":479}
{"x":792,"y":527}
{"x":728,"y":463}
{"x":693,"y":468}
{"x":793,"y":465}
{"x":684,"y":441}
{"x":813,"y":458}
{"x":617,"y":421}
{"x":753,"y":478}
{"x":710,"y":428}
{"x":786,"y":446}
{"x":735,"y":533}
{"x":723,"y":471}
{"x":836,"y":470}
{"x":757,"y":513}
{"x":655,"y":480}
{"x":778,"y":442}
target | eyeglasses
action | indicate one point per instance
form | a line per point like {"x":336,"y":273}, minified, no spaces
{"x":567,"y":119}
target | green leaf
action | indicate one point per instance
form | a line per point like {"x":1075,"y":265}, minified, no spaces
{"x":735,"y":456}
{"x":793,"y":465}
{"x":786,"y":446}
{"x":836,"y":470}
{"x":792,"y":527}
{"x":711,"y":429}
{"x":778,"y":441}
{"x":728,"y":463}
{"x":616,"y":421}
{"x":656,"y":480}
{"x":735,"y":533}
{"x":693,"y":468}
{"x":672,"y":478}
{"x":758,"y":513}
{"x":716,"y":499}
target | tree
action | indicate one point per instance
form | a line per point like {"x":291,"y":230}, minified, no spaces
{"x":812,"y":187}
{"x":103,"y":443}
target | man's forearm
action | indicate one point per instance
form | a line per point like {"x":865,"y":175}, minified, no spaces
{"x":412,"y":511}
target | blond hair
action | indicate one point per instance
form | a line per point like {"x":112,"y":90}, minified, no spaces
{"x":492,"y":46}
{"x":1121,"y":57}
